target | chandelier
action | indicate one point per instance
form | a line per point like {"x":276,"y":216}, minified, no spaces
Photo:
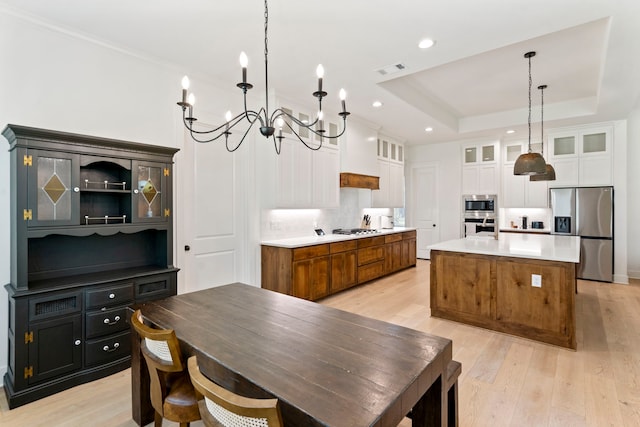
{"x":268,"y":122}
{"x":549,"y":172}
{"x":529,"y":163}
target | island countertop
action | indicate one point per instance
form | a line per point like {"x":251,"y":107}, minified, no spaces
{"x":532,"y":246}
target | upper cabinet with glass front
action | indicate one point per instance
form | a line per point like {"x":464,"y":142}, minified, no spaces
{"x":480,"y":169}
{"x":150,"y":195}
{"x":582,"y":156}
{"x":52,"y":192}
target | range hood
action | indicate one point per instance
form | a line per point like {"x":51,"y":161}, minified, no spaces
{"x":356,"y":180}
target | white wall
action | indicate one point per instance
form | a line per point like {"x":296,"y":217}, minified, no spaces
{"x":633,"y":188}
{"x":50,"y":79}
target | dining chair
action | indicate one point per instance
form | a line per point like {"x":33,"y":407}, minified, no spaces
{"x":172,"y":394}
{"x":221,"y":407}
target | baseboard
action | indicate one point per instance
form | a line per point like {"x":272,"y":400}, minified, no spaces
{"x":621,"y":278}
{"x":634,"y":274}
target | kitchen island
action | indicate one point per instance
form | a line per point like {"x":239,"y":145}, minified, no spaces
{"x":521,"y":284}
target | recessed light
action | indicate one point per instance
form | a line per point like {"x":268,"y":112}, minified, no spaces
{"x":429,"y":129}
{"x":426,"y":43}
{"x":511,"y":131}
{"x":377,"y":104}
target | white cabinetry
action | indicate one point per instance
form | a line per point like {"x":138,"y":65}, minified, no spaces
{"x":480,"y":172}
{"x":307,"y":178}
{"x":391,"y":173}
{"x":582,"y":156}
{"x":517,"y":190}
{"x":326,"y":178}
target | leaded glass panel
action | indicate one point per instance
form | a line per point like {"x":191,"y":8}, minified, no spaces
{"x":54,"y":189}
{"x":149,"y":194}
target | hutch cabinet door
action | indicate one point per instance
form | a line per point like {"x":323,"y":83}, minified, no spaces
{"x":53,"y":193}
{"x":56,"y":348}
{"x":150,"y":195}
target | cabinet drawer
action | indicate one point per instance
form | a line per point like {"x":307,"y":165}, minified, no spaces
{"x":393,"y":238}
{"x":105,"y":322}
{"x":155,"y":287}
{"x":370,"y":271}
{"x":108,"y":349}
{"x":407,"y":235}
{"x":369,"y":255}
{"x":343,"y":246}
{"x":370,"y":241}
{"x":310,"y":252}
{"x":113,"y":295}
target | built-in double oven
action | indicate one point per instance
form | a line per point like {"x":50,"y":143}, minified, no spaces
{"x":479,"y":214}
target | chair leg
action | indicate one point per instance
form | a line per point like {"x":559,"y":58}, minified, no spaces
{"x":157,"y":420}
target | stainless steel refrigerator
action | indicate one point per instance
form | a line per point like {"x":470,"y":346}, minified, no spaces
{"x":586,"y":212}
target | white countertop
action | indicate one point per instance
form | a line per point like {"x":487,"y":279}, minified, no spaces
{"x":296,"y":242}
{"x":527,"y":230}
{"x":548,"y":247}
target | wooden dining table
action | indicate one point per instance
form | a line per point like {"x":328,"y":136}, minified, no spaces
{"x":326,"y":366}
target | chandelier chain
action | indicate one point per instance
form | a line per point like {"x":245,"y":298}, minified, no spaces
{"x":266,"y":24}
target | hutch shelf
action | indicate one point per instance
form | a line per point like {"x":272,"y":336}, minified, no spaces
{"x":91,"y":234}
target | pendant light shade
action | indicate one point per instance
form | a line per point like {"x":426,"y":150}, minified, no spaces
{"x":530,"y":163}
{"x":549,"y":173}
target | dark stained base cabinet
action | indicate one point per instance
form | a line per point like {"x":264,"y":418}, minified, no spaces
{"x":316,"y":271}
{"x":91,"y":235}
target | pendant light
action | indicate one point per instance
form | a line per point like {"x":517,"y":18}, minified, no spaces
{"x":529,"y":163}
{"x":550,"y":172}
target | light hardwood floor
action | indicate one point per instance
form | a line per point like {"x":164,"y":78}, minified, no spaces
{"x":505,"y":381}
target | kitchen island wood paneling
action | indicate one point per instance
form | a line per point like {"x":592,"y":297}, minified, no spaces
{"x":315,"y":267}
{"x":494,"y":284}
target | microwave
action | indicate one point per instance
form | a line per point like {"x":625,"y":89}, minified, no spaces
{"x":479,"y":205}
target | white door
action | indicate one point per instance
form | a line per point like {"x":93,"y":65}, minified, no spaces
{"x":424,"y":196}
{"x":212,"y":216}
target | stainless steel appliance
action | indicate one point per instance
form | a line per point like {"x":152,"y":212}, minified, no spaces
{"x":479,"y":213}
{"x":479,"y":205}
{"x":586,"y":212}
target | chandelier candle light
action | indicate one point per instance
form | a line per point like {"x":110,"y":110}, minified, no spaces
{"x":549,"y":173}
{"x":268,"y":123}
{"x":529,"y":163}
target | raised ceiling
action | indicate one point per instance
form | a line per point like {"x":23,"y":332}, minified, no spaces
{"x":471,"y":84}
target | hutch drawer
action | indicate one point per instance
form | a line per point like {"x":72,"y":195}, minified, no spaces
{"x":106,"y":322}
{"x":112,"y":295}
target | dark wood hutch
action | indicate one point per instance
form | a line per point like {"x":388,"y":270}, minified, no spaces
{"x":91,"y":234}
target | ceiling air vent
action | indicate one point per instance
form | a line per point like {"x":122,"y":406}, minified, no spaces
{"x":391,"y":69}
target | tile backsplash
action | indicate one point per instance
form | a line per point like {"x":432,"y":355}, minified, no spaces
{"x":507,"y":215}
{"x":286,"y":223}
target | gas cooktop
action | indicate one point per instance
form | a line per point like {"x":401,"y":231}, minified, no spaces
{"x":355,"y":231}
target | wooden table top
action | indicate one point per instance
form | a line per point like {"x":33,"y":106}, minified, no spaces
{"x":327,"y":366}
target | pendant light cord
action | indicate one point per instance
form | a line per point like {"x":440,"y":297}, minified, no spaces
{"x":529,"y":122}
{"x":542,"y":118}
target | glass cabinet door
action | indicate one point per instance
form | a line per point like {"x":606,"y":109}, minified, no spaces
{"x":53,"y":192}
{"x":148,"y":196}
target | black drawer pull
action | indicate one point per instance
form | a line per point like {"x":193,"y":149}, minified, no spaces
{"x":106,"y":321}
{"x":109,"y":350}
